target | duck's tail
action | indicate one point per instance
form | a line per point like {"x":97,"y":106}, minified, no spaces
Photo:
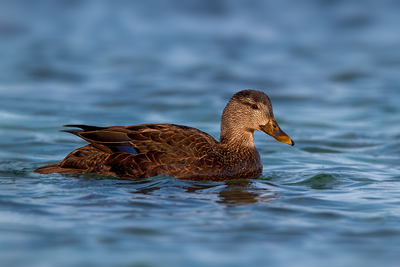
{"x":56,"y":168}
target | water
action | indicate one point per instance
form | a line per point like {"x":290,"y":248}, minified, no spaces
{"x":330,"y":67}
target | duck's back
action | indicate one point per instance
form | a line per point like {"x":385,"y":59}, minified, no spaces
{"x":137,"y":151}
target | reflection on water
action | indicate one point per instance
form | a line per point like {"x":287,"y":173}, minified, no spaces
{"x":243,"y":192}
{"x":237,"y":192}
{"x":329,"y":67}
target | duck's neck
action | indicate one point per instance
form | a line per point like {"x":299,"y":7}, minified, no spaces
{"x":234,"y":135}
{"x":237,"y":138}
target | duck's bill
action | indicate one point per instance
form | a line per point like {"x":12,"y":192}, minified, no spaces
{"x":273,"y":129}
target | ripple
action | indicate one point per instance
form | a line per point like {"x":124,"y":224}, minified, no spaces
{"x":321,"y":181}
{"x":331,"y":200}
{"x":320,"y":150}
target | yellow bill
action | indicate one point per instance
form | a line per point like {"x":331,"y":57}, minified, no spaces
{"x":272,"y":128}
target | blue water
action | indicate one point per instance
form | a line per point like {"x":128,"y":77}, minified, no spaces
{"x":331,"y":69}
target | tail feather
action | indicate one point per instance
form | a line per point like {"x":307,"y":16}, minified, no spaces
{"x":56,"y":168}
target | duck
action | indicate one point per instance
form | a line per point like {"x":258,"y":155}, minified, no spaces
{"x":182,"y":152}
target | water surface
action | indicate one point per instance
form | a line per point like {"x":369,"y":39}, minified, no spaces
{"x":330,"y":68}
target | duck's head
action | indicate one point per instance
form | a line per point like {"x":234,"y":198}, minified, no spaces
{"x":248,"y":111}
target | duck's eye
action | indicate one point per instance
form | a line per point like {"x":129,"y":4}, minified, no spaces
{"x":254,"y":106}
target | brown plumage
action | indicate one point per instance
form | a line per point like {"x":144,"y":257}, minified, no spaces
{"x":179,"y":151}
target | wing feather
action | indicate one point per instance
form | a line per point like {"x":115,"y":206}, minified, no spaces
{"x":173,"y":142}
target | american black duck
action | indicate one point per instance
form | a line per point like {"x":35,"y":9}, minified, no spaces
{"x":179,"y":151}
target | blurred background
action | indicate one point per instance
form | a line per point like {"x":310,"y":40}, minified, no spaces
{"x":330,"y":67}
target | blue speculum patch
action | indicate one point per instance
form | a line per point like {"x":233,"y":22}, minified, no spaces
{"x":127,"y":149}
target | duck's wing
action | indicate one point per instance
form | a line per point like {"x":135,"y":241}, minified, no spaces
{"x":148,"y":149}
{"x":176,"y":140}
{"x":106,"y":139}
